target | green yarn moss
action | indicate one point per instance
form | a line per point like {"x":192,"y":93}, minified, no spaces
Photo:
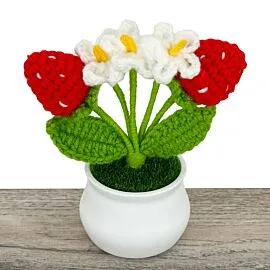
{"x":154,"y":174}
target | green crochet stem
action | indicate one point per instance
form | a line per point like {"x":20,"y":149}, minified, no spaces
{"x":149,"y":109}
{"x":99,"y":111}
{"x":132,"y":119}
{"x":119,"y":92}
{"x":136,"y":159}
{"x":162,"y":111}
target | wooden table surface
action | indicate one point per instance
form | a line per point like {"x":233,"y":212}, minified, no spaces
{"x":228,"y":229}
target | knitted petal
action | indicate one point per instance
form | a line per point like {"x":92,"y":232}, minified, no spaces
{"x":164,"y":32}
{"x":152,"y":50}
{"x":192,"y":39}
{"x":188,"y":65}
{"x":109,"y":31}
{"x":95,"y":73}
{"x":84,"y":51}
{"x":129,"y":28}
{"x":131,"y":61}
{"x":164,"y":72}
{"x":114,"y":76}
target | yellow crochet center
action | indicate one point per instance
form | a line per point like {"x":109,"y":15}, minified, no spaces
{"x":177,"y":48}
{"x":129,"y":43}
{"x":100,"y":54}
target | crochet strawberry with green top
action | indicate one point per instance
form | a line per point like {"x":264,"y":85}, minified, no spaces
{"x":222,"y":65}
{"x":56,"y":80}
{"x":196,"y":72}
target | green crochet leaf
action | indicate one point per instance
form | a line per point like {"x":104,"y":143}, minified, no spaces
{"x":87,"y":139}
{"x":178,"y":133}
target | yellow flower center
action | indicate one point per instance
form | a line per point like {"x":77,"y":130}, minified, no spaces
{"x":100,"y":54}
{"x":129,"y":43}
{"x":177,"y":48}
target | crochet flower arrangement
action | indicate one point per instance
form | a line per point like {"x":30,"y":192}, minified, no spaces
{"x":197,"y":72}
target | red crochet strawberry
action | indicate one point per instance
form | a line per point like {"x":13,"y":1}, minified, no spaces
{"x":222,"y":65}
{"x":56,"y":80}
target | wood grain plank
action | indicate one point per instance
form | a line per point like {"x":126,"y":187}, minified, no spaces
{"x":228,"y":229}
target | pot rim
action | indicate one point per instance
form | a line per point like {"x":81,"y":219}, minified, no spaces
{"x":120,"y":193}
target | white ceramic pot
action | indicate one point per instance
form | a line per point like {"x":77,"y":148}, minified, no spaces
{"x":135,"y":224}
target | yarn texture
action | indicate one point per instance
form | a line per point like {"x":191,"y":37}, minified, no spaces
{"x":56,"y":80}
{"x":222,"y":65}
{"x":179,"y":133}
{"x":87,"y":139}
{"x":198,"y":74}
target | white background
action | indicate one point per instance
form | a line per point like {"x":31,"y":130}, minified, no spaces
{"x":236,"y":151}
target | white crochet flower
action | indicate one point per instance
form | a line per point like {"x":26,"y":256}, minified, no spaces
{"x":114,"y":53}
{"x":130,"y":55}
{"x":159,"y":56}
{"x":97,"y":58}
{"x":168,"y":53}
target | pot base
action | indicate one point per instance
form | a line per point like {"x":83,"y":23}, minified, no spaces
{"x":135,"y":225}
